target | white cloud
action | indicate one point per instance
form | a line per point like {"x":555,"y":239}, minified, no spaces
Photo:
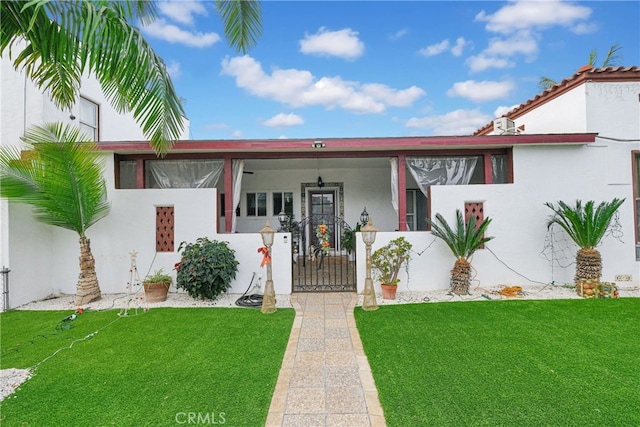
{"x":342,"y":43}
{"x":461,"y":43}
{"x":444,"y":46}
{"x":299,"y":88}
{"x":160,"y":29}
{"x":435,"y":49}
{"x":481,"y":91}
{"x":481,"y":62}
{"x":173,"y":68}
{"x":237,"y":134}
{"x":584,"y":28}
{"x":503,"y":109}
{"x":182,"y":11}
{"x":458,"y":122}
{"x":526,"y":14}
{"x":284,"y":120}
{"x":522,"y":43}
{"x":399,"y":34}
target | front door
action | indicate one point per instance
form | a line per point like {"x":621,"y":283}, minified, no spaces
{"x":322,"y":206}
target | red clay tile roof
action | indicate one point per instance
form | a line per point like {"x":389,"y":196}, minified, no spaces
{"x":585,"y":73}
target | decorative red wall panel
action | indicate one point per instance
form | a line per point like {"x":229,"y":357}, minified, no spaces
{"x":164,"y":229}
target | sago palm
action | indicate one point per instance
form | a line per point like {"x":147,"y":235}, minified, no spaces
{"x":463,"y":240}
{"x":60,"y":175}
{"x":586,"y":226}
{"x":55,"y":42}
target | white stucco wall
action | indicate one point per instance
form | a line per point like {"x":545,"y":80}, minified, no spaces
{"x":613,"y":109}
{"x":33,"y":275}
{"x":565,"y":114}
{"x":517,"y":254}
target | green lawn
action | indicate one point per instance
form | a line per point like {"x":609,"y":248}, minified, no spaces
{"x":506,"y":363}
{"x":152,"y":369}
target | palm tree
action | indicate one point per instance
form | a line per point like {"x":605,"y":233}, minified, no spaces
{"x":65,"y":39}
{"x":61,"y":178}
{"x":610,"y":60}
{"x":586,"y":227}
{"x":463,"y":241}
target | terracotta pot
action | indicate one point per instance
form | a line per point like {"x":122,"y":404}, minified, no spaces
{"x":155,"y":292}
{"x":389,"y":291}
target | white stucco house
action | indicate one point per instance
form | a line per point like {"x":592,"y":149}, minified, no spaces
{"x":578,"y":140}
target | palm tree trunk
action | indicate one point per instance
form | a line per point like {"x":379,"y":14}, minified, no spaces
{"x":88,"y":288}
{"x":588,"y":265}
{"x":461,"y":277}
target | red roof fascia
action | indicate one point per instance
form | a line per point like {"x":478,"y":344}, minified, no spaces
{"x":584,"y":74}
{"x":387,"y":144}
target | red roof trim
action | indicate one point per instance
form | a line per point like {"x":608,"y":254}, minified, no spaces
{"x":584,"y":74}
{"x":382,"y":144}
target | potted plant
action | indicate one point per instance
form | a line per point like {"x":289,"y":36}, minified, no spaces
{"x":207,"y":268}
{"x":348,"y":241}
{"x":157,"y":286}
{"x":386,"y":263}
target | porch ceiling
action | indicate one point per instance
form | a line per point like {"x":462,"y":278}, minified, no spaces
{"x":252,"y":165}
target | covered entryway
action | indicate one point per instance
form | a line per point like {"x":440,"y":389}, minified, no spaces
{"x":320,"y":264}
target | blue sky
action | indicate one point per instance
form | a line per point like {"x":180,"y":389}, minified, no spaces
{"x":380,"y":68}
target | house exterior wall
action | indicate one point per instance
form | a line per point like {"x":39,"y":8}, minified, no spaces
{"x":613,"y":109}
{"x":26,"y":246}
{"x":520,"y":253}
{"x":564,"y":114}
{"x":363,"y":187}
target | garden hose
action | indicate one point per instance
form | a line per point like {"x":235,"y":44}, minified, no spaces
{"x":251,"y":300}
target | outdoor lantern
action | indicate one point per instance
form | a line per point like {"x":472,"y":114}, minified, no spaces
{"x":269,"y":297}
{"x":364,"y":217}
{"x":320,"y":183}
{"x":283,"y":218}
{"x":369,"y":302}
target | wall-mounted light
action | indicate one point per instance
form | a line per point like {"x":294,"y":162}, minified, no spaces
{"x":364,"y":217}
{"x":317,"y":144}
{"x":320,"y":183}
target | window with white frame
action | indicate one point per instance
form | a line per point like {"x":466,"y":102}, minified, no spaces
{"x":89,"y":118}
{"x":256,"y":204}
{"x":283,"y":202}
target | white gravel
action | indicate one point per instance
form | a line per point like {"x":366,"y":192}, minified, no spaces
{"x":10,"y":379}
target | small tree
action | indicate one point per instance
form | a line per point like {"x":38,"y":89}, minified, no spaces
{"x":61,"y":177}
{"x":586,"y":226}
{"x":463,"y":241}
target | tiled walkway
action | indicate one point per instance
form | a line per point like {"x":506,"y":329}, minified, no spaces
{"x":325,"y":379}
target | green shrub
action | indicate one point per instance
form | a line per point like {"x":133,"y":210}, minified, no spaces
{"x":206,"y":269}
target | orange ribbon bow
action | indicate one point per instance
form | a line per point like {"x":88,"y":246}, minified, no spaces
{"x":266,"y":256}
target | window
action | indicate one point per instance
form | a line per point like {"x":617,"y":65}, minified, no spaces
{"x":256,"y":204}
{"x":416,"y":210}
{"x":127,"y":177}
{"x":283,"y":202}
{"x":223,"y":205}
{"x":499,"y":168}
{"x":89,"y":118}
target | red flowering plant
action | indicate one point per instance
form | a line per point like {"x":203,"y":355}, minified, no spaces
{"x":323,"y":235}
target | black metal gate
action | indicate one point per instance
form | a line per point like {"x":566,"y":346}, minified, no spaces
{"x":318,"y":266}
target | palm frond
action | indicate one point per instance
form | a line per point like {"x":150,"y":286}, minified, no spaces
{"x":465,"y":239}
{"x":585,"y":225}
{"x":66,"y":39}
{"x":546,"y":83}
{"x":242,"y":22}
{"x":613,"y":57}
{"x":60,"y":176}
{"x":593,"y":57}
